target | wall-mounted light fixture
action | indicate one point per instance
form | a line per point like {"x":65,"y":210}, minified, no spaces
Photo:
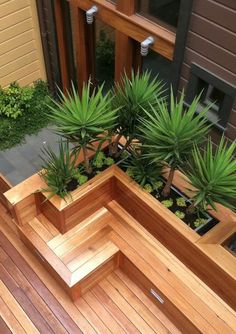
{"x":90,"y":14}
{"x":145,"y":45}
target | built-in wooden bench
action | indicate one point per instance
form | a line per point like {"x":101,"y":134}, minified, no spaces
{"x":77,"y":258}
{"x":182,"y":295}
{"x":109,"y":238}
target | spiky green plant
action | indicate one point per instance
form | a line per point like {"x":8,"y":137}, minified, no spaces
{"x":141,"y":170}
{"x":83,"y":120}
{"x":213,"y":174}
{"x":131,"y":96}
{"x":57,"y":170}
{"x":169,"y":136}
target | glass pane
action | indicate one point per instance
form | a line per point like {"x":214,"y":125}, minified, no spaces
{"x":105,"y":54}
{"x":158,"y":65}
{"x":160,"y":11}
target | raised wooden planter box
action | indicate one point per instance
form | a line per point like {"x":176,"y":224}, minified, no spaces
{"x":205,"y":255}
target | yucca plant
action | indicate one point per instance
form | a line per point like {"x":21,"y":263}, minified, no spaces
{"x":213,"y":174}
{"x":142,"y":170}
{"x":84,"y":120}
{"x":169,"y":135}
{"x":131,"y":96}
{"x":58,"y":170}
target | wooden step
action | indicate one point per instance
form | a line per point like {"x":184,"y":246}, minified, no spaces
{"x":77,"y":256}
{"x":199,"y":304}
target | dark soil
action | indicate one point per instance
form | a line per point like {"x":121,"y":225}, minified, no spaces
{"x":72,"y":185}
{"x":189,"y":219}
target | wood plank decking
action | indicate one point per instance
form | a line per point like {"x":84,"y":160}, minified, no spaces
{"x":32,"y":302}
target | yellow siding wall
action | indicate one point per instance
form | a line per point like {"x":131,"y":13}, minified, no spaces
{"x":21,"y":56}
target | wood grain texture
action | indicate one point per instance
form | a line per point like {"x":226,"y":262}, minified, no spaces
{"x":133,"y":26}
{"x":20,"y":43}
{"x":4,"y":186}
{"x":94,"y":310}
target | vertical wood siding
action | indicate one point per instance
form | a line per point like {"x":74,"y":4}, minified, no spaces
{"x":211,"y":43}
{"x":21,"y":56}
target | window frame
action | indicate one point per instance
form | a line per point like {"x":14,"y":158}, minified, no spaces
{"x":199,"y":73}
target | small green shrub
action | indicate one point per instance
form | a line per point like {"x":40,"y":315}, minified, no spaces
{"x":168,"y":203}
{"x":30,"y":121}
{"x":180,"y":214}
{"x":181,"y":202}
{"x":148,"y":188}
{"x":109,"y":161}
{"x":99,"y":160}
{"x":80,"y":178}
{"x":199,"y":222}
{"x":15,"y":100}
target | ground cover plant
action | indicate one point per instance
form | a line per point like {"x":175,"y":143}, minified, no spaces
{"x":23,"y":111}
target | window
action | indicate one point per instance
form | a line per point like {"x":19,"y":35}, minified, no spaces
{"x":158,"y":65}
{"x":214,"y":91}
{"x":160,"y":11}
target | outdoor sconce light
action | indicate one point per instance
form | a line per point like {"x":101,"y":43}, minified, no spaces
{"x":145,"y":45}
{"x":90,"y":13}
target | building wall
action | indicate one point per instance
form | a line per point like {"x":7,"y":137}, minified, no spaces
{"x":211,"y":43}
{"x":21,"y":56}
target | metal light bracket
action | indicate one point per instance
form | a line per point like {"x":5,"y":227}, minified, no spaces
{"x":90,"y":14}
{"x":145,"y":45}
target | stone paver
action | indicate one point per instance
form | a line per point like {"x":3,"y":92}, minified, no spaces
{"x":20,"y":162}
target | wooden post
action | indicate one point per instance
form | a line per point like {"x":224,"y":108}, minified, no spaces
{"x":61,"y":39}
{"x":82,"y":46}
{"x":124,"y":44}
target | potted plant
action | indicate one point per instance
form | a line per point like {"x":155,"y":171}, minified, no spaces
{"x":212,"y":174}
{"x":84,"y":120}
{"x":131,"y":97}
{"x":169,"y":135}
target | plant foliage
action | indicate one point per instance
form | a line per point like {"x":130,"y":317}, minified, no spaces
{"x":141,"y":170}
{"x":213,"y":174}
{"x":58,"y":170}
{"x":169,"y":136}
{"x":29,"y":106}
{"x":84,"y":120}
{"x":131,"y":97}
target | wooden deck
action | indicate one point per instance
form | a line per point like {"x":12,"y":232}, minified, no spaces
{"x":32,"y":302}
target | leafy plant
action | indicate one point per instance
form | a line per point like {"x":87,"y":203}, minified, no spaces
{"x":180,"y":214}
{"x":98,"y":160}
{"x":58,"y":171}
{"x":148,"y":188}
{"x":180,"y":201}
{"x":169,"y":136}
{"x":213,"y":175}
{"x":84,"y":120}
{"x":34,"y":116}
{"x":81,"y":178}
{"x":109,"y":161}
{"x":15,"y":100}
{"x":168,"y":203}
{"x":131,"y":96}
{"x":141,"y":170}
{"x":199,"y":222}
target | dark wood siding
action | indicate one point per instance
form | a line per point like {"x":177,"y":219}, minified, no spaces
{"x":211,"y":43}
